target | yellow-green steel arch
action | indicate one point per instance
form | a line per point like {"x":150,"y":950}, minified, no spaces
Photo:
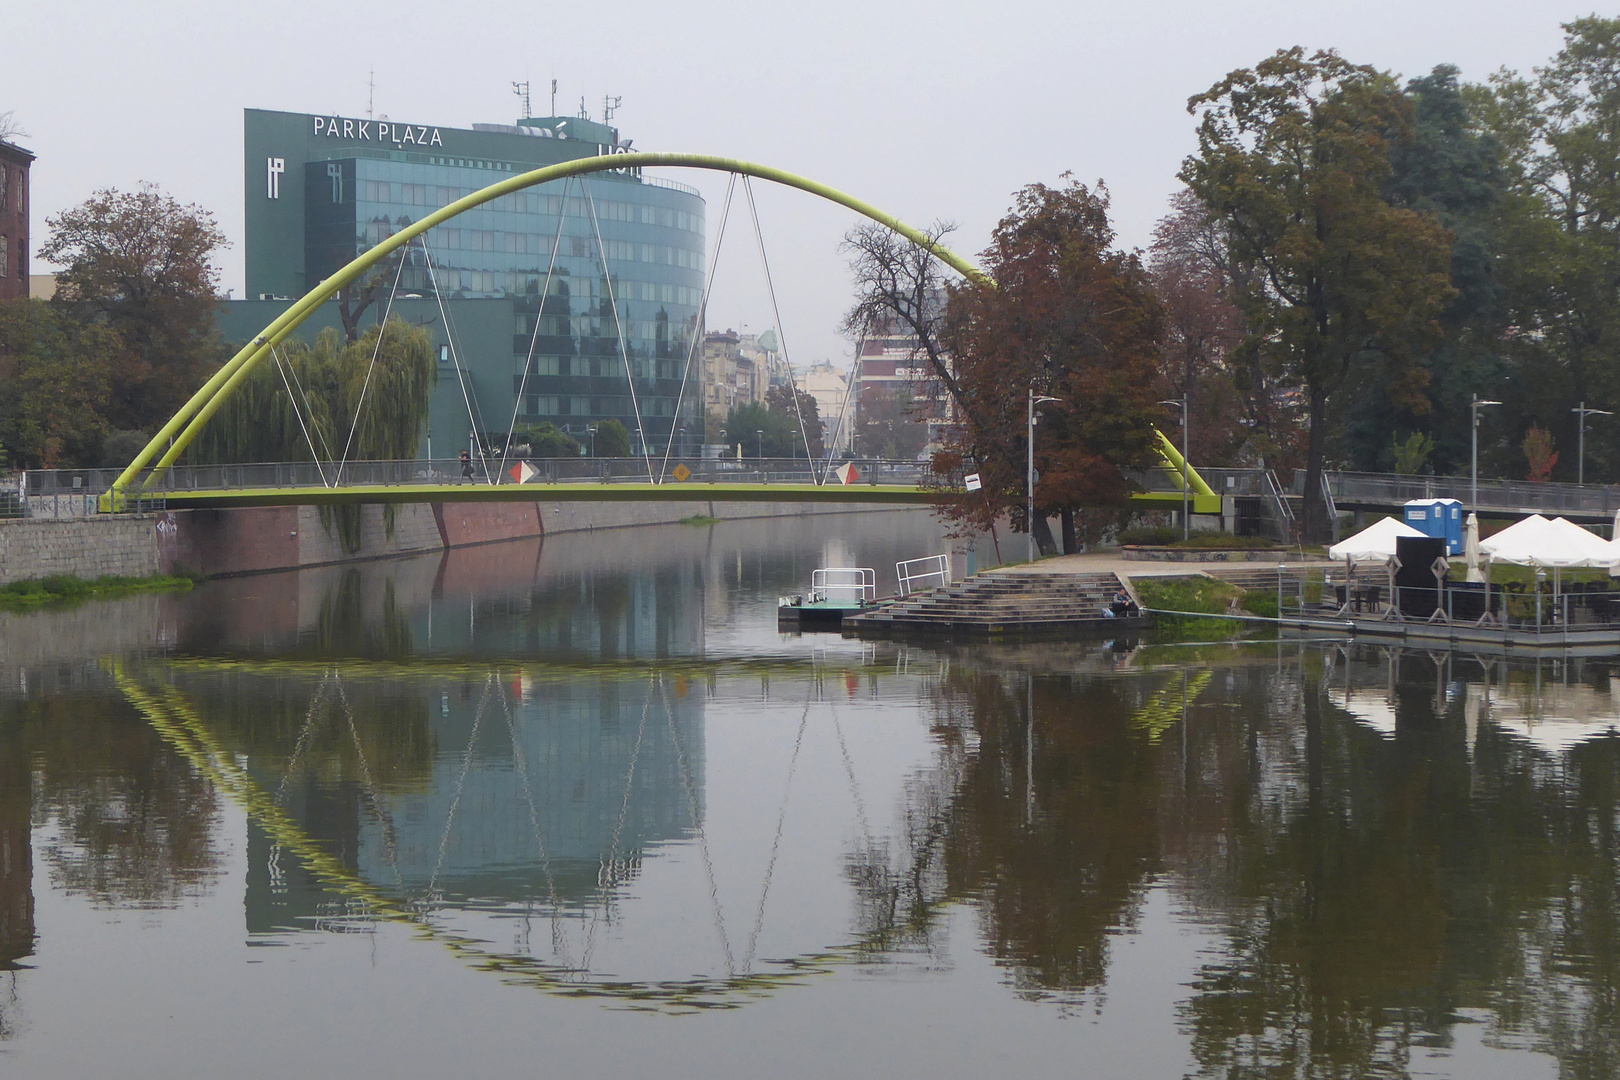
{"x":179,"y":432}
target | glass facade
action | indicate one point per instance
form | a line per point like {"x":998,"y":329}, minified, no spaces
{"x":619,"y":258}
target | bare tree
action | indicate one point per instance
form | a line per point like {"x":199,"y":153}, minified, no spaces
{"x":9,"y":128}
{"x":899,"y":284}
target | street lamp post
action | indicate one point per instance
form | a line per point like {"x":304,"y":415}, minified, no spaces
{"x":1029,"y":471}
{"x":1473,"y":431}
{"x":759,"y":442}
{"x":1580,"y":453}
{"x":1186,"y":467}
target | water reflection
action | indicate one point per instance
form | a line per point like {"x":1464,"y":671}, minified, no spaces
{"x":603,"y":774}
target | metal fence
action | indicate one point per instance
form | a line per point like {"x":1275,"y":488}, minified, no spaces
{"x":1590,"y":500}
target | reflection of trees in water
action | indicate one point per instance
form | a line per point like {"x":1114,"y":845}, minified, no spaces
{"x":1055,"y":859}
{"x":129,"y":823}
{"x":1365,"y":893}
{"x":343,"y":625}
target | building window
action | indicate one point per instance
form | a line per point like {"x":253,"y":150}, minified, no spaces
{"x":5,"y":175}
{"x":5,"y":255}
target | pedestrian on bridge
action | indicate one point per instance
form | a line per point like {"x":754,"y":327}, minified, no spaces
{"x":466,"y":465}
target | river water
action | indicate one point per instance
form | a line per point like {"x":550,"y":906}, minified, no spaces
{"x":579,"y":809}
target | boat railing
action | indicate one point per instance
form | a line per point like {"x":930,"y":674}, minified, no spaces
{"x":857,"y":583}
{"x":929,"y":568}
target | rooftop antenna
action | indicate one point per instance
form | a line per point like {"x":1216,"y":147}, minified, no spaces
{"x":521,"y":89}
{"x":371,"y":91}
{"x":583,"y":115}
{"x":609,"y":106}
{"x":553,"y":97}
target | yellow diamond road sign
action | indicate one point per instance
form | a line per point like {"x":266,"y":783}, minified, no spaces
{"x":682,"y":473}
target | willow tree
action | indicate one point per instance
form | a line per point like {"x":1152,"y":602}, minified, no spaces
{"x":305,"y":402}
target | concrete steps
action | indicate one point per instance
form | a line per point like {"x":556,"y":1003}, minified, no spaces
{"x":1000,"y":603}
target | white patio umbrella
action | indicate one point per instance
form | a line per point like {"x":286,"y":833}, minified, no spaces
{"x":1471,"y":549}
{"x":1374,"y":544}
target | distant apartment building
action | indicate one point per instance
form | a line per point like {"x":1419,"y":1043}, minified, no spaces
{"x":738,"y":369}
{"x":895,"y":381}
{"x":830,"y":388}
{"x":14,"y":165}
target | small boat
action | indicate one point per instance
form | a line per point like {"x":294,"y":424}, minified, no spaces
{"x":835,"y":591}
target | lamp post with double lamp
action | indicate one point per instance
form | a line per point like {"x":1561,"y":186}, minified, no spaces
{"x":1186,"y":468}
{"x":1029,"y":471}
{"x":1473,"y":429}
{"x":1580,"y":453}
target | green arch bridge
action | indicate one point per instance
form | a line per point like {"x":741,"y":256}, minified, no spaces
{"x":144,"y":476}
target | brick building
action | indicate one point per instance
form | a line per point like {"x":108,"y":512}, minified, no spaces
{"x":14,"y":163}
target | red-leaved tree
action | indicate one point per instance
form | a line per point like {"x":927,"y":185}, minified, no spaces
{"x":1068,"y":315}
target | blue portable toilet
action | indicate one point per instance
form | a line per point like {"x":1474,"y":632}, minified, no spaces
{"x":1439,"y":518}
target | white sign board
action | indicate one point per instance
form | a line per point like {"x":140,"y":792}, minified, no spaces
{"x":972,"y":481}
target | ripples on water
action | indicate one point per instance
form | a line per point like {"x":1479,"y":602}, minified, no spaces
{"x":436,"y":816}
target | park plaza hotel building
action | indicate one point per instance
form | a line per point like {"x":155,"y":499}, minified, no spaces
{"x":321,"y":189}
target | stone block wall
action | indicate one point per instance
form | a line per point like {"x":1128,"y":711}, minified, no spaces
{"x":87,"y":547}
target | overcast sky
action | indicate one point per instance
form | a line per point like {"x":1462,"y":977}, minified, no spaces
{"x":928,"y":110}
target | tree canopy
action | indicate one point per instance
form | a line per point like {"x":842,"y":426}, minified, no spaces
{"x":1293,"y":158}
{"x":303,"y":404}
{"x":1065,"y":314}
{"x":143,"y":264}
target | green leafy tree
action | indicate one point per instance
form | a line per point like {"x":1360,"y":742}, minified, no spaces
{"x":546,"y":440}
{"x":1412,"y":453}
{"x":1293,"y":156}
{"x":317,"y":388}
{"x":611,"y":439}
{"x":143,"y":264}
{"x":1455,"y":169}
{"x":801,"y":413}
{"x":55,"y":379}
{"x":1560,"y":133}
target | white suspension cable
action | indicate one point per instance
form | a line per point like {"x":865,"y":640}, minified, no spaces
{"x":618,"y":331}
{"x":293,"y":400}
{"x":309,"y":408}
{"x":702,"y":321}
{"x":781,"y":333}
{"x":472,"y":421}
{"x":382,"y":328}
{"x":534,"y":340}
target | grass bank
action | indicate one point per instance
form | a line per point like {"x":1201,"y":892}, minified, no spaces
{"x":65,"y":590}
{"x":1199,"y":595}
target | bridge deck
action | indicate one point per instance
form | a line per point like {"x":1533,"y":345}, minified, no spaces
{"x":892,"y":494}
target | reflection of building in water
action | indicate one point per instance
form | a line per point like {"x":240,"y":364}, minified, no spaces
{"x":596,"y":772}
{"x":16,"y":854}
{"x":606,"y":611}
{"x":600,"y":761}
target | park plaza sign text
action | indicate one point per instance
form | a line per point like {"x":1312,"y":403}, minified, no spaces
{"x":383,"y":131}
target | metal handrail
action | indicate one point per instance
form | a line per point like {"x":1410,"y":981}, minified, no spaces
{"x":941,"y":570}
{"x":863,"y":587}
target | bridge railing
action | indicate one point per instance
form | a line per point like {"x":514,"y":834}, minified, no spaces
{"x":1591,"y":500}
{"x":57,"y":485}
